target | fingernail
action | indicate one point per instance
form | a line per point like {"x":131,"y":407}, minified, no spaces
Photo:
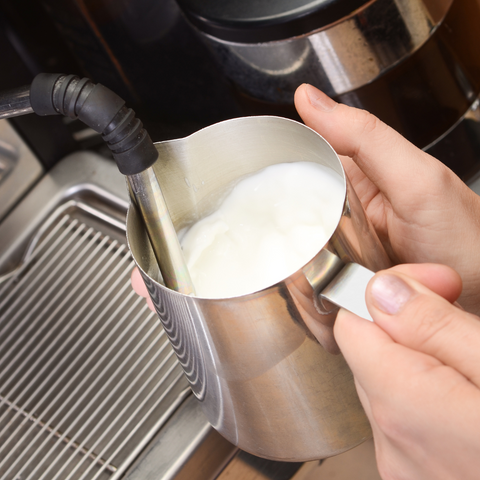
{"x":390,"y":293}
{"x":319,"y":100}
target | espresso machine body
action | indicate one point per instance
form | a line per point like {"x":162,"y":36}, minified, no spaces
{"x":410,"y":62}
{"x":185,"y":64}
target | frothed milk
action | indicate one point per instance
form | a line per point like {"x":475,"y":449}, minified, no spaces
{"x":270,"y":225}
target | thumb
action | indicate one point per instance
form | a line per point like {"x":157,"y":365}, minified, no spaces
{"x":416,"y":317}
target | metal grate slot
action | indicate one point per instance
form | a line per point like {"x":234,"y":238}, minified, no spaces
{"x":87,"y":375}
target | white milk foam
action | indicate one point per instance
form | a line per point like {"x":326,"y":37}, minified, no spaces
{"x":269,"y":226}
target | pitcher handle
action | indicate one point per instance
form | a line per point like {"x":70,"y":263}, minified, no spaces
{"x":347,"y":289}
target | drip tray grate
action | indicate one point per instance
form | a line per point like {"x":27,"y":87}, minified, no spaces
{"x":87,"y":375}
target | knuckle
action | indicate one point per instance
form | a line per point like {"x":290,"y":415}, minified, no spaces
{"x":366,"y":126}
{"x":440,"y":176}
{"x":366,"y":122}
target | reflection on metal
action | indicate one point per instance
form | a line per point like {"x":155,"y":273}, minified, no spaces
{"x":14,"y":103}
{"x":337,"y":59}
{"x":177,"y":321}
{"x":149,"y":199}
{"x":6,"y":164}
{"x":459,"y":147}
{"x":247,"y":467}
{"x":347,"y":290}
{"x":322,"y":270}
{"x":19,"y":169}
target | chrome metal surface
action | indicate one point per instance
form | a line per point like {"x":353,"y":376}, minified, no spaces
{"x":245,"y":466}
{"x":263,"y":380}
{"x":19,"y":169}
{"x":87,"y":377}
{"x":149,"y":198}
{"x":337,"y":59}
{"x":459,"y":148}
{"x":162,"y":455}
{"x":347,"y":289}
{"x":174,"y":455}
{"x":15,"y":102}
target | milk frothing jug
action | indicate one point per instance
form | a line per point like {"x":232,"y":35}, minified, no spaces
{"x":263,"y":379}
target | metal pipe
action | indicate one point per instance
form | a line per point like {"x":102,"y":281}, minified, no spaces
{"x":16,"y":102}
{"x":149,"y":199}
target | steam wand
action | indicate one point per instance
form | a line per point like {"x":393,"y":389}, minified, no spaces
{"x":133,"y":150}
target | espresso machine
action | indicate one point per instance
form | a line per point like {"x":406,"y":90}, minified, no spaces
{"x":89,"y":388}
{"x":411,"y":63}
{"x":186,"y":64}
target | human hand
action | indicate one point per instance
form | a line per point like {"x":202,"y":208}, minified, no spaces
{"x":140,"y":288}
{"x":421,"y":210}
{"x":417,"y":372}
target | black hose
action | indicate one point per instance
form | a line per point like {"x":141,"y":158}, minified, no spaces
{"x":132,"y":148}
{"x":102,"y":110}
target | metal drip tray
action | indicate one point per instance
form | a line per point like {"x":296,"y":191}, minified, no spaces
{"x":87,"y":374}
{"x":88,"y":381}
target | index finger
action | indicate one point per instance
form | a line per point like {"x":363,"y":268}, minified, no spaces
{"x":381,"y":152}
{"x":138,"y":284}
{"x":374,"y":358}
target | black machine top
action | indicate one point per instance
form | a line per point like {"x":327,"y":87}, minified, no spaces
{"x":256,"y":21}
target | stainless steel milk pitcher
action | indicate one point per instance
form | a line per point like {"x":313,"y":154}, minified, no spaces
{"x":263,"y":379}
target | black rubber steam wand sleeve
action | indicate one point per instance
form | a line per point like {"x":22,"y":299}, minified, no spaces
{"x":102,"y":110}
